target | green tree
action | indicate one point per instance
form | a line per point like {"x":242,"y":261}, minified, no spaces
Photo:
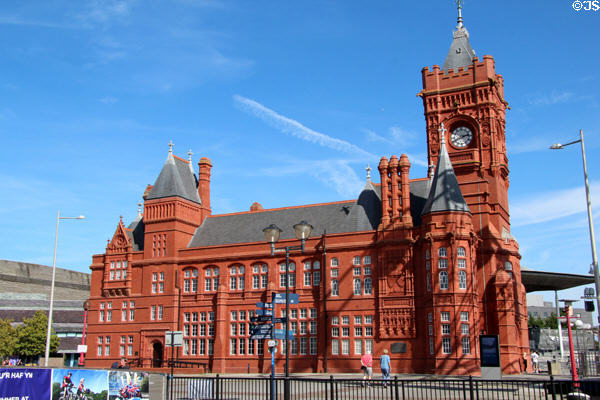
{"x":31,"y":336}
{"x":8,"y":338}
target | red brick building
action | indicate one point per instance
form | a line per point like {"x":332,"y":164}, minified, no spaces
{"x":421,"y":267}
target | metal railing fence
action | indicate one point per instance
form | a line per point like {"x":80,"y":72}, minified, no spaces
{"x":259,"y":388}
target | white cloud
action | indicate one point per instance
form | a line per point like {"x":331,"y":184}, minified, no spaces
{"x":334,"y":173}
{"x":108,"y":100}
{"x":551,"y":205}
{"x":374,"y":137}
{"x":554,"y":97}
{"x":402,"y":136}
{"x":104,"y":11}
{"x":528,"y":145}
{"x":295,"y":128}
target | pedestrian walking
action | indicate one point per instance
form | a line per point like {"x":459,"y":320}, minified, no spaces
{"x":524,"y":361}
{"x":385,"y":367}
{"x":366,"y":362}
{"x":535,"y":362}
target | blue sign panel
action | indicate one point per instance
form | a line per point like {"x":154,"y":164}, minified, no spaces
{"x":264,"y":312}
{"x":280,"y":320}
{"x":280,"y":334}
{"x":264,"y":305}
{"x":25,"y":383}
{"x":262,"y":329}
{"x":279,"y":298}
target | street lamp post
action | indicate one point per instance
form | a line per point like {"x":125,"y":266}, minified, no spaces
{"x":272,"y":233}
{"x":86,"y":307}
{"x":558,"y":146}
{"x":47,"y":353}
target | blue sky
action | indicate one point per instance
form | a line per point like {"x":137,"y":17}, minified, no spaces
{"x":290,"y":101}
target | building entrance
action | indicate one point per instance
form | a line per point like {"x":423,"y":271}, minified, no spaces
{"x":157,"y":355}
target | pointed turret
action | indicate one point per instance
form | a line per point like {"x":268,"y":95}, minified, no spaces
{"x":461,"y":53}
{"x":175,"y":179}
{"x":445,"y":193}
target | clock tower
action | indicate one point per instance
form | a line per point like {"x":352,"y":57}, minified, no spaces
{"x":467,"y":96}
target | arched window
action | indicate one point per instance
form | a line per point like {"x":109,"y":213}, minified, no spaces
{"x":356,"y":260}
{"x":237,"y":279}
{"x":461,"y":252}
{"x":190,"y":280}
{"x":292,"y":274}
{"x":443,"y":280}
{"x":211,"y":278}
{"x":335,"y":287}
{"x":442,"y":258}
{"x":334,"y":262}
{"x":462,"y":280}
{"x":427,"y":255}
{"x":368,"y":286}
{"x":428,"y":282}
{"x":508,"y":266}
{"x":259,"y":276}
{"x":357,"y":286}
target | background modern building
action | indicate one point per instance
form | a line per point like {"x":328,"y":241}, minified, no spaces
{"x":25,"y":289}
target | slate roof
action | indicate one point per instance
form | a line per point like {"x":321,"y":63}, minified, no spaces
{"x":359,"y":215}
{"x":461,"y":53}
{"x":135,"y":232}
{"x":445,"y":193}
{"x":176,"y":179}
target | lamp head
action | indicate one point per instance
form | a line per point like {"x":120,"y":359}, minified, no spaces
{"x":303,"y":230}
{"x":556,"y":146}
{"x":80,"y":217}
{"x":272,"y":233}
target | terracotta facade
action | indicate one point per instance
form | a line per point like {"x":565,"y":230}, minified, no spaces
{"x":398,"y":268}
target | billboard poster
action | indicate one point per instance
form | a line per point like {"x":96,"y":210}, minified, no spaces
{"x":24,"y":384}
{"x":90,"y":384}
{"x":489,"y":350}
{"x":125,"y":384}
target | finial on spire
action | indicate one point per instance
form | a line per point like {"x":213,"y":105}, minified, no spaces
{"x":139,"y":209}
{"x":121,"y":218}
{"x":190,"y":155}
{"x":170,"y":146}
{"x":460,"y":19}
{"x":430,"y":170}
{"x":442,"y":132}
{"x":368,"y":172}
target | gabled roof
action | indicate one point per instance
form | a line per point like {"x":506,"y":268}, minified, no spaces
{"x":176,"y":179}
{"x":461,"y":53}
{"x":445,"y":193}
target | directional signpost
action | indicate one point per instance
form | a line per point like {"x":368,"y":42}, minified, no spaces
{"x":279,"y":298}
{"x":264,"y":327}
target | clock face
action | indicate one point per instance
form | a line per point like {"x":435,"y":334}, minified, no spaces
{"x":461,"y":137}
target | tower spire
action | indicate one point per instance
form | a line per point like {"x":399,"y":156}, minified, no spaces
{"x":460,"y":18}
{"x":461,"y":53}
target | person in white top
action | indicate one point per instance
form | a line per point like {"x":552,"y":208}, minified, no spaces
{"x":535,"y":361}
